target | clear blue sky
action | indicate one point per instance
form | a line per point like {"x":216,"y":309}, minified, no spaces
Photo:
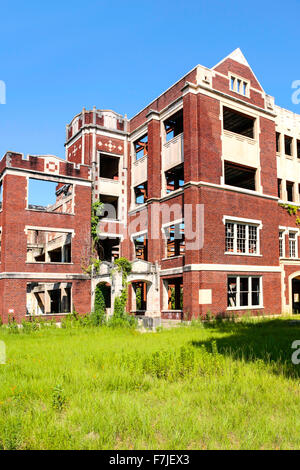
{"x":59,"y":56}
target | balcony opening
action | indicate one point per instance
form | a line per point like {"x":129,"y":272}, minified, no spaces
{"x":49,"y":196}
{"x":174,"y":125}
{"x":141,"y":147}
{"x":238,"y":123}
{"x":141,"y":247}
{"x":110,"y":206}
{"x":109,"y":167}
{"x":140,"y":193}
{"x":109,"y":249}
{"x":290,"y":191}
{"x":48,"y":246}
{"x":277,"y":142}
{"x":174,"y":178}
{"x":44,"y":298}
{"x":288,"y":145}
{"x":239,"y":176}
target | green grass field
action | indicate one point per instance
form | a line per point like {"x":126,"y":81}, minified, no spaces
{"x":214,"y":386}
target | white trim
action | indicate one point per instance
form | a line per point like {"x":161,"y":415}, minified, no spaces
{"x":49,"y":229}
{"x":138,"y":234}
{"x":228,"y":218}
{"x":232,"y":268}
{"x":173,"y":222}
{"x":38,"y":175}
{"x":43,"y":275}
{"x":104,"y":235}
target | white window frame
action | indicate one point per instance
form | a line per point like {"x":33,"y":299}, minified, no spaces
{"x":296,"y":233}
{"x":247,"y":222}
{"x":238,"y":283}
{"x":282,"y":242}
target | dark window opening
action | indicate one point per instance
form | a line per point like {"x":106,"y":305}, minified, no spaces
{"x":140,"y":192}
{"x":141,"y":247}
{"x":140,"y":289}
{"x":277,"y":142}
{"x":298,"y":148}
{"x":141,"y":147}
{"x":288,"y":145}
{"x":109,"y":249}
{"x":1,"y":195}
{"x":175,"y":178}
{"x":240,"y":177}
{"x":175,"y":240}
{"x":175,"y":293}
{"x":238,"y":123}
{"x":279,"y":188}
{"x":110,"y":206}
{"x":109,"y":167}
{"x":174,"y":125}
{"x":105,"y":289}
{"x":290,"y":191}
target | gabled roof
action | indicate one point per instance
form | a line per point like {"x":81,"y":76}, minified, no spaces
{"x":239,"y":57}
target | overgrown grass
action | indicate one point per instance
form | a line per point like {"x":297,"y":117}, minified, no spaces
{"x":213,"y":386}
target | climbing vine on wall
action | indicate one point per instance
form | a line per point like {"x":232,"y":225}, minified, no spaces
{"x":292,"y":210}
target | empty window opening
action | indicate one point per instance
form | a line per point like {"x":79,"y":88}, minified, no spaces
{"x":277,"y":142}
{"x":239,"y":176}
{"x":105,"y":289}
{"x":288,"y":145}
{"x":109,"y":249}
{"x":140,"y":289}
{"x":239,"y":86}
{"x":279,"y":188}
{"x":48,"y":247}
{"x":45,"y":299}
{"x":293,"y":252}
{"x":50,"y":196}
{"x":109,"y":167}
{"x":174,"y":178}
{"x":174,"y":125}
{"x":241,"y":238}
{"x":110,"y":208}
{"x":175,"y":293}
{"x":238,"y":123}
{"x":290,"y":191}
{"x":175,"y":241}
{"x":141,"y":147}
{"x":140,"y":193}
{"x":244,"y":291}
{"x":298,"y":148}
{"x":141,"y":247}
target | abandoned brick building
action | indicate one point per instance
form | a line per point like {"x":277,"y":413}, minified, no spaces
{"x":212,"y":156}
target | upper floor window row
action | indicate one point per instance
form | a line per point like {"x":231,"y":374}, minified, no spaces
{"x":239,"y":85}
{"x":287,"y":145}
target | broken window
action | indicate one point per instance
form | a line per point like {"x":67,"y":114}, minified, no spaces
{"x":141,"y":247}
{"x":288,"y":145}
{"x":175,"y":240}
{"x":175,"y":293}
{"x":50,"y":196}
{"x":290,"y":191}
{"x":140,"y":289}
{"x":141,"y":147}
{"x":279,"y":188}
{"x":174,"y":125}
{"x":277,"y":142}
{"x":48,"y":246}
{"x":244,"y":291}
{"x":109,"y":167}
{"x":238,"y":123}
{"x":109,"y":249}
{"x":174,"y":178}
{"x":140,"y":193}
{"x":239,"y":176}
{"x":110,"y":208}
{"x":48,"y":298}
{"x":241,"y":238}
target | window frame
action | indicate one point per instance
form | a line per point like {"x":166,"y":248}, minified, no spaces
{"x":235,"y":221}
{"x":250,"y":292}
{"x":243,"y":83}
